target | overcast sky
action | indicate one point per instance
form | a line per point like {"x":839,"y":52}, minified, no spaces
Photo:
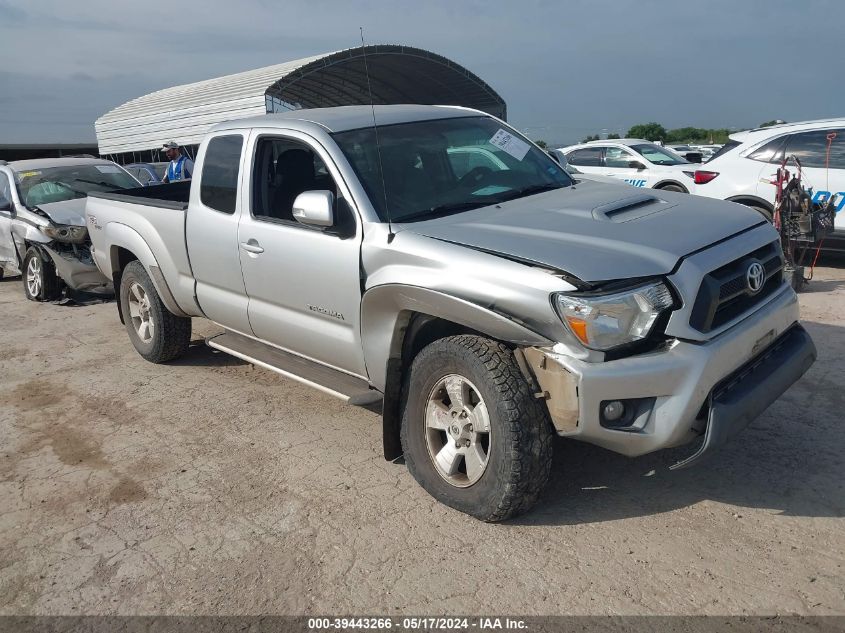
{"x":566,"y":68}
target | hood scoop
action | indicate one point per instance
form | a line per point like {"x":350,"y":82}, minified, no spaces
{"x":631,"y":208}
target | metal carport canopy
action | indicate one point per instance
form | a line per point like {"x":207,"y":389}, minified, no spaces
{"x":397,"y":74}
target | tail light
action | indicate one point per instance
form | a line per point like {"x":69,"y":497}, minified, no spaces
{"x":702,"y":177}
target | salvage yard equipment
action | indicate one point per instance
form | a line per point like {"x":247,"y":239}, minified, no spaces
{"x":802,"y":223}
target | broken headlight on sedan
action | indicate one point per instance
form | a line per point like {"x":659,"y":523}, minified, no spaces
{"x":66,"y":233}
{"x":606,"y":321}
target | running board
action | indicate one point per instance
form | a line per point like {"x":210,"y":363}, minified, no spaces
{"x":335,"y":383}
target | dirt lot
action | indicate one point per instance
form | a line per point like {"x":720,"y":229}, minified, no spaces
{"x":209,"y":486}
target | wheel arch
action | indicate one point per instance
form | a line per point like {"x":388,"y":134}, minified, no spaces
{"x":127,"y":245}
{"x":397,"y":321}
{"x":751,"y":200}
{"x":663,"y":183}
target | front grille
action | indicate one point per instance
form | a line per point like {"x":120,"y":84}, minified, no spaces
{"x":724,"y":294}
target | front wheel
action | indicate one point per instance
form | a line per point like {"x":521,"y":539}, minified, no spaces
{"x":473,"y":435}
{"x":40,"y":282}
{"x":157,"y":334}
{"x":677,"y":188}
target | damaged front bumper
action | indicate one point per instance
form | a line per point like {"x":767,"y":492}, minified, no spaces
{"x":673,"y":396}
{"x":76,"y":268}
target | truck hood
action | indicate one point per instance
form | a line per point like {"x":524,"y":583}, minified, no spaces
{"x":69,"y":212}
{"x":594,"y":231}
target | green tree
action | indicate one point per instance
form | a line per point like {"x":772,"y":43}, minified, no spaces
{"x":772,"y":122}
{"x":649,"y":131}
{"x":612,"y":135}
{"x":541,"y":144}
{"x":594,"y":137}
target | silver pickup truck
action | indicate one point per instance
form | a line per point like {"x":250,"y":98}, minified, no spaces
{"x":444,"y":265}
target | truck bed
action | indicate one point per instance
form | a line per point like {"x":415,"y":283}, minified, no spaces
{"x":148,"y":222}
{"x":167,"y":196}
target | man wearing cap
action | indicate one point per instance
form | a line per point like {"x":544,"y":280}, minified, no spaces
{"x":181,"y":167}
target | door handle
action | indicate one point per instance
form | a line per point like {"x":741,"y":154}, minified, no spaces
{"x":252,"y":246}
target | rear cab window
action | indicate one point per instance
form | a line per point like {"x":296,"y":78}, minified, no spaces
{"x":221,"y":172}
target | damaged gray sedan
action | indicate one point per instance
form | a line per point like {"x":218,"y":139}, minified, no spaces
{"x":42,"y":223}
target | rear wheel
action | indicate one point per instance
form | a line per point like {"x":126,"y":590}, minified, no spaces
{"x":473,"y":435}
{"x":677,"y":188}
{"x":40,"y":282}
{"x":157,"y":334}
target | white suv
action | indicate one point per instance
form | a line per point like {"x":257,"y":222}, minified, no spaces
{"x":743,"y":169}
{"x":635,"y":161}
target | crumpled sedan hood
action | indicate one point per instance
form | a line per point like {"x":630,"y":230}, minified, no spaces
{"x":69,"y":212}
{"x":594,"y":231}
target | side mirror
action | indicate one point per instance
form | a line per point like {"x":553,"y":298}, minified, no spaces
{"x":694,"y":157}
{"x":314,"y":208}
{"x":635,"y":164}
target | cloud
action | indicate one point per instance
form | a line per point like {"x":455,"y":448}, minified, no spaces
{"x":10,"y":15}
{"x":565,"y":69}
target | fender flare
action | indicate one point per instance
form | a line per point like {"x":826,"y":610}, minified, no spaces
{"x":384,"y":315}
{"x":123,"y":236}
{"x":752,"y":198}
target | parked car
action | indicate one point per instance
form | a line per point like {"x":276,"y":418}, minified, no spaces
{"x":490,"y":308}
{"x":745,"y":167}
{"x":148,"y":173}
{"x":687,"y":152}
{"x":577,"y":175}
{"x":707,"y":151}
{"x":42,"y":222}
{"x":637,"y":162}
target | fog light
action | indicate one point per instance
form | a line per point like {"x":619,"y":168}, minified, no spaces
{"x":613,"y":411}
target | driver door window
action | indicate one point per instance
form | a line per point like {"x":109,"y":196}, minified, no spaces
{"x":285,"y":168}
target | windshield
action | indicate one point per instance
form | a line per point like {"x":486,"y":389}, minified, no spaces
{"x":56,"y":184}
{"x":659,"y":156}
{"x":446,"y":166}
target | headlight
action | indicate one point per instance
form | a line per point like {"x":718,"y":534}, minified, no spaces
{"x":602,"y":322}
{"x":65,"y":233}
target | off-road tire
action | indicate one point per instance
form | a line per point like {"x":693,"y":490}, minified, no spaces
{"x":172,"y":334}
{"x":521,"y":437}
{"x":50,"y":285}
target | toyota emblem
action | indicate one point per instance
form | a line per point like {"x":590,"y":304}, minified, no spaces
{"x":754,"y":277}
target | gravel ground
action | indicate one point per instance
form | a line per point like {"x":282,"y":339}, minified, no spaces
{"x":208,"y":486}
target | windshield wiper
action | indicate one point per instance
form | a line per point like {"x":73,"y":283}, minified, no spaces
{"x":446,"y":209}
{"x":528,"y":191}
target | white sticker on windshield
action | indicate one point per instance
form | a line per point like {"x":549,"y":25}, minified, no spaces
{"x":507,"y":142}
{"x":108,"y":169}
